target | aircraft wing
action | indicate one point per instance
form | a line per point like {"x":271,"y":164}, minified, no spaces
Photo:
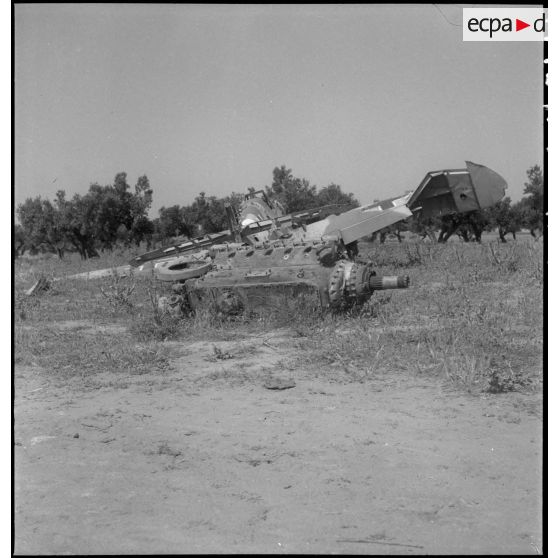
{"x":357,"y":223}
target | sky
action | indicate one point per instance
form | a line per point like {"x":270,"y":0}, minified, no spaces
{"x":212,"y":98}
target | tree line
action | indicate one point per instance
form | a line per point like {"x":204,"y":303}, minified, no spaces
{"x":505,"y":217}
{"x":115,"y":214}
{"x":85,"y":223}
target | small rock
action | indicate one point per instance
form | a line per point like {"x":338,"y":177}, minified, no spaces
{"x":279,"y":383}
{"x":76,"y":435}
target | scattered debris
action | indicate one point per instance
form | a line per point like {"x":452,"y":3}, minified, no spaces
{"x":279,"y":383}
{"x":42,"y":284}
{"x":97,"y":427}
{"x":165,"y":449}
{"x":220,"y":354}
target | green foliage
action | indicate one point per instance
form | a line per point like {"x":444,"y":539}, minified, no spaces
{"x":532,"y":206}
{"x":97,"y":219}
{"x":468,"y":226}
{"x":159,"y":325}
{"x":424,"y":227}
{"x":42,"y":225}
{"x":142,"y":229}
{"x":505,"y":217}
{"x":119,"y":292}
{"x":172,"y":222}
{"x":295,"y":194}
{"x":208,"y":212}
{"x":205,"y":215}
{"x":332,"y":194}
{"x":19,"y":241}
{"x":534,"y":189}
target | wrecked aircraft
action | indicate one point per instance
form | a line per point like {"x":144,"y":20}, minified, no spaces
{"x":265,"y":252}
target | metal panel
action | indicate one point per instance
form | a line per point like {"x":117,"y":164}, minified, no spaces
{"x":385,"y":204}
{"x":489,"y":186}
{"x":365,"y":223}
{"x":429,"y":181}
{"x":433,"y":197}
{"x":463,"y":192}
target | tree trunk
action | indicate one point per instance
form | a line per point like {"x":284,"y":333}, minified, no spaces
{"x":446,"y":232}
{"x":91,"y":252}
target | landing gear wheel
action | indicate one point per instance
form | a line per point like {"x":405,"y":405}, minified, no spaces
{"x":336,"y":286}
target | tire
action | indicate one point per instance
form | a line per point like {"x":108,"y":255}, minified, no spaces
{"x":180,"y":269}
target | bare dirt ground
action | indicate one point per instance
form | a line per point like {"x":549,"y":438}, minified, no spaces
{"x":205,"y":457}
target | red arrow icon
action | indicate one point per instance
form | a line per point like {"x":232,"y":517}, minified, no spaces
{"x":519,"y":25}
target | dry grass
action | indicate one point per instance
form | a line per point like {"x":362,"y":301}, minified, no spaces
{"x":472,"y":317}
{"x":75,"y":352}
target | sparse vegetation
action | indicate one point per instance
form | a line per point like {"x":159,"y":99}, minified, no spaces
{"x":119,"y":291}
{"x":77,"y":351}
{"x":472,"y":317}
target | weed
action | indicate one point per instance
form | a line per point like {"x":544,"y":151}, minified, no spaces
{"x":26,"y":306}
{"x":118,"y":293}
{"x":458,"y":255}
{"x":66,"y":354}
{"x":220,"y":354}
{"x":159,"y":324}
{"x":503,"y":378}
{"x":414,"y":254}
{"x":466,"y":371}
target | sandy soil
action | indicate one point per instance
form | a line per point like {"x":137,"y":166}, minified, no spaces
{"x":206,"y":458}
